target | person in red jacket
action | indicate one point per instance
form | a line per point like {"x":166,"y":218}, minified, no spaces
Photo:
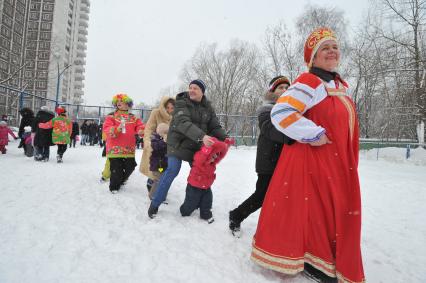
{"x":4,"y":136}
{"x":201,"y":177}
{"x":120,"y":128}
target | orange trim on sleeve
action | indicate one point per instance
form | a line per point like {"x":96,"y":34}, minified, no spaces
{"x":295,"y":103}
{"x":290,"y":120}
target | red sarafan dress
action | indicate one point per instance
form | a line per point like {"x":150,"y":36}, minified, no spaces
{"x":312,"y":210}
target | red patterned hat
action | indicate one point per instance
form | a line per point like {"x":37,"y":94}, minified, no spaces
{"x":60,"y":110}
{"x":314,"y":41}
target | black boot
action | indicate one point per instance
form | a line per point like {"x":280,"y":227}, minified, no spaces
{"x":234,"y":224}
{"x":149,"y":183}
{"x":316,"y":275}
{"x":152,"y":211}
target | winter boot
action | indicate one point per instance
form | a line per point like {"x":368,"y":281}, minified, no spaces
{"x":152,"y":211}
{"x":210,"y":220}
{"x":317,"y":276}
{"x":234,"y":225}
{"x":59,"y":159}
{"x":114,"y":192}
{"x":149,"y":184}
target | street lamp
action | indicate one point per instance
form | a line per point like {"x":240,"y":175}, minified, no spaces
{"x":58,"y":82}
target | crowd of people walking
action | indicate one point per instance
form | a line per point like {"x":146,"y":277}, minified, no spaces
{"x":307,"y":158}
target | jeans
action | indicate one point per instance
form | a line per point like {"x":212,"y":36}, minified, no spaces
{"x":166,"y":180}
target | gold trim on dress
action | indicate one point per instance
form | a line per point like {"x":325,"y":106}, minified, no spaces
{"x":341,"y":93}
{"x":292,"y":266}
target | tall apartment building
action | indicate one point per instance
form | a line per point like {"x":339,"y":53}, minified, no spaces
{"x":41,"y":39}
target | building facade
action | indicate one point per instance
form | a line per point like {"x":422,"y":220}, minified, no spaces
{"x":42,"y":51}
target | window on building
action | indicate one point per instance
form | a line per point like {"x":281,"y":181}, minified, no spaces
{"x":47,"y":16}
{"x":46,"y":26}
{"x":16,"y":48}
{"x":7,"y":20}
{"x":35,"y":6}
{"x":43,"y":55}
{"x":4,"y":66}
{"x":33,"y":25}
{"x":44,"y":45}
{"x":32,"y":35}
{"x":5,"y":31}
{"x":5,"y":43}
{"x":45,"y":35}
{"x":31,"y":54}
{"x":42,"y":74}
{"x":47,"y":7}
{"x":42,"y":65}
{"x":29,"y":74}
{"x":19,"y":29}
{"x":34,"y":16}
{"x":31,"y":44}
{"x":41,"y":85}
{"x":17,"y":38}
{"x":7,"y":9}
{"x":30,"y":64}
{"x":14,"y":59}
{"x":4,"y":54}
{"x":20,"y":8}
{"x":19,"y":18}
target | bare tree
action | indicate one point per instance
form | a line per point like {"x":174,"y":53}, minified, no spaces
{"x":282,"y":53}
{"x":230,"y":76}
{"x":406,"y":29}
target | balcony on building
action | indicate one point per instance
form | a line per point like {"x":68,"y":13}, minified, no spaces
{"x":84,"y":16}
{"x":82,"y":38}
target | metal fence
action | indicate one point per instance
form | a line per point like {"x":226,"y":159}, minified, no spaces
{"x":243,"y":128}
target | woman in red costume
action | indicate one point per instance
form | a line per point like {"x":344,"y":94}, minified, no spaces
{"x":311,"y":216}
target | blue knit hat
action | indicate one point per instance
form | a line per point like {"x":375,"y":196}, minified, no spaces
{"x":199,"y":83}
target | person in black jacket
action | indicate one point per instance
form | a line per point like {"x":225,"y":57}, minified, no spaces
{"x":194,"y":123}
{"x":43,"y":137}
{"x":84,"y":132}
{"x":75,"y":132}
{"x":27,"y":120}
{"x":269,"y":146}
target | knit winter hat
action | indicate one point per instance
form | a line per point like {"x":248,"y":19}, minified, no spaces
{"x":275,"y":82}
{"x":122,"y":97}
{"x":199,"y":83}
{"x":314,"y":41}
{"x":60,"y":110}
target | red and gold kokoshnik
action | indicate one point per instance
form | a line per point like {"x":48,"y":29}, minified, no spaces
{"x":314,"y":41}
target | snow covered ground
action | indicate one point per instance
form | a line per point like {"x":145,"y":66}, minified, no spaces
{"x":59,"y":224}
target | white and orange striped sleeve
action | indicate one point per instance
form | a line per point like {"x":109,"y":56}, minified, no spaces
{"x":287,"y":114}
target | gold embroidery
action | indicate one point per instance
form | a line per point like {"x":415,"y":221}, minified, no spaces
{"x":293,"y":266}
{"x":343,"y":97}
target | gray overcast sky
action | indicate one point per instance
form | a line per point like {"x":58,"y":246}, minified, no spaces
{"x":139,"y":46}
